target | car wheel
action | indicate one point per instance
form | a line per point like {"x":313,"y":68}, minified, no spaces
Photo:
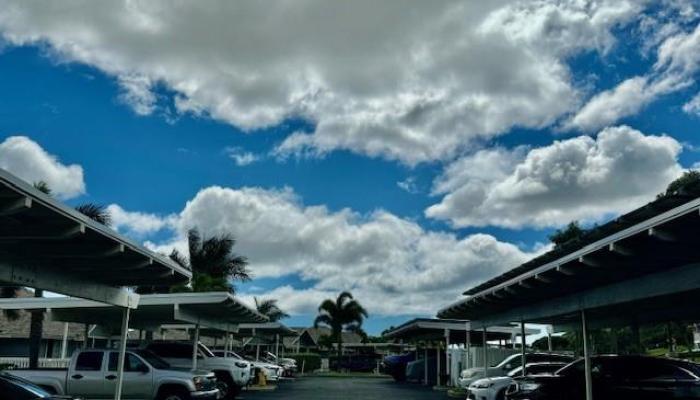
{"x":227,"y":389}
{"x":174,"y":394}
{"x":501,"y":395}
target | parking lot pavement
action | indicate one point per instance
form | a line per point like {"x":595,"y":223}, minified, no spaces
{"x":346,"y":388}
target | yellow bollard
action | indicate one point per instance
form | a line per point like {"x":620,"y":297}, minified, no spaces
{"x":262,"y":381}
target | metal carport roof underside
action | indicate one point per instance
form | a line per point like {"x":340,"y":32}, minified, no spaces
{"x":48,"y":245}
{"x":647,"y":272}
{"x":216,"y":310}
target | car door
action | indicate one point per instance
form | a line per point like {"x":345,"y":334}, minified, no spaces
{"x":657,"y":379}
{"x":138,"y":377}
{"x":86,"y":379}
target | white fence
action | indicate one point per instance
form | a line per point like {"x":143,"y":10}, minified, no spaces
{"x":23,"y":362}
{"x":459,"y":359}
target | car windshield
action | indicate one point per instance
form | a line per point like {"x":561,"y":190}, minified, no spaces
{"x":155,"y":361}
{"x":205,"y":350}
{"x":26,"y":385}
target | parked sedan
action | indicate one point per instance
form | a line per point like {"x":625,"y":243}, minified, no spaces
{"x":614,"y":378}
{"x":501,"y":369}
{"x":14,"y":388}
{"x":495,"y":388}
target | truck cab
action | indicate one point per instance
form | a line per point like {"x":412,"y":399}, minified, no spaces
{"x":232,"y":374}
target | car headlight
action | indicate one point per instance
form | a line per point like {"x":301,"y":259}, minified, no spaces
{"x":482,"y":384}
{"x":241,"y":365}
{"x":528,"y":386}
{"x":198,"y":382}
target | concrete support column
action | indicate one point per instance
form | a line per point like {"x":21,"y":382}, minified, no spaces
{"x":122,"y":353}
{"x":586,"y":357}
{"x":195,"y":346}
{"x":227,"y":340}
{"x":448,"y":361}
{"x":425,"y":367}
{"x":523,"y":343}
{"x":437,"y":373}
{"x":486,"y":353}
{"x":469,"y":348}
{"x":277,"y":345}
{"x":64,"y":342}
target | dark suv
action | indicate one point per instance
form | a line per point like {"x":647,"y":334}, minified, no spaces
{"x":614,"y":378}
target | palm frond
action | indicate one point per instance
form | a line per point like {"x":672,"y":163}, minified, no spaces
{"x":43,"y":187}
{"x":95,"y":212}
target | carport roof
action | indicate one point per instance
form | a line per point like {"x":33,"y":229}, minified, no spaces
{"x":623,"y":275}
{"x":265,"y":329}
{"x":215,"y":310}
{"x":434,"y":329}
{"x":47,"y":245}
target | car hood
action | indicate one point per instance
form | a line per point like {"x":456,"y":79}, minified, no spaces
{"x":496,"y":379}
{"x":476,"y":373}
{"x":183,"y":371}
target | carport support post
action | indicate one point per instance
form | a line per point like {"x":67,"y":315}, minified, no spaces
{"x":277,"y":345}
{"x":122,"y":353}
{"x":64,"y":342}
{"x":226,"y":342}
{"x":522,"y":351}
{"x":469,"y":348}
{"x":425,"y":365}
{"x":447,"y":355}
{"x":437,"y":373}
{"x":586,"y":357}
{"x":195,"y":346}
{"x":486,"y":354}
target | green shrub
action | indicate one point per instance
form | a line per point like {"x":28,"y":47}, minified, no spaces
{"x":310,"y":361}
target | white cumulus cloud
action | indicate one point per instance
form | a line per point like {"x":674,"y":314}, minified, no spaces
{"x":412,"y":81}
{"x":389,"y":262}
{"x":25,"y":158}
{"x":581,"y":178}
{"x":138,"y":223}
{"x":676,"y":67}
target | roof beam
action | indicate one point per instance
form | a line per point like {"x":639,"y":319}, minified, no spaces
{"x":587,"y":260}
{"x":17,"y":206}
{"x":662,"y":235}
{"x":565,"y":271}
{"x":60,"y":234}
{"x":543,"y":279}
{"x":621,"y":250}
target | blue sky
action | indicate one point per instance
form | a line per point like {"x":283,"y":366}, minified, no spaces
{"x":404,"y":182}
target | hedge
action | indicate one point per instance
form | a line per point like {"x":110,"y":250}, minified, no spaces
{"x":310,"y":361}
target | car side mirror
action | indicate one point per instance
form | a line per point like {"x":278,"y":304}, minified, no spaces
{"x":144,"y":369}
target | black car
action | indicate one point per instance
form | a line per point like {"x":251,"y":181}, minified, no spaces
{"x":614,"y":378}
{"x":14,"y":388}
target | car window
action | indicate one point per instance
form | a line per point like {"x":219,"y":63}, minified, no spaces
{"x":171,"y":350}
{"x":657,"y":370}
{"x":89,"y":361}
{"x":572,"y":369}
{"x":153,"y":359}
{"x":131,"y":364}
{"x":13,"y":387}
{"x":512,"y":362}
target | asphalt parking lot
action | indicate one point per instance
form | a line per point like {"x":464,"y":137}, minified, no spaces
{"x":346,"y":388}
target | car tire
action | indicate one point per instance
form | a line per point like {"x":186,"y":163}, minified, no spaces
{"x":501,"y":395}
{"x":174,"y":394}
{"x":228,"y":389}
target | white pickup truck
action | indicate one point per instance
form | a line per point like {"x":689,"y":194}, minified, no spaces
{"x":92,"y":374}
{"x":232,"y":374}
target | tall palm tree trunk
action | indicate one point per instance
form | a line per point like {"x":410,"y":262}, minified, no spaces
{"x":36,"y":328}
{"x":339,"y":339}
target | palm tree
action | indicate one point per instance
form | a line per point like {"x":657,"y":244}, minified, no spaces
{"x":213,"y":263}
{"x":344,"y":313}
{"x":95,"y":212}
{"x":270,"y":309}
